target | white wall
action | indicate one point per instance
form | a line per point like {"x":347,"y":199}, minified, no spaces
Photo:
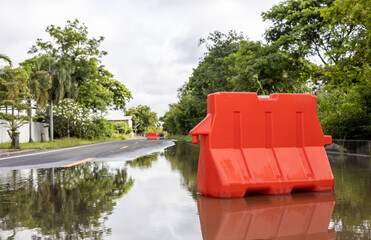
{"x":24,"y":136}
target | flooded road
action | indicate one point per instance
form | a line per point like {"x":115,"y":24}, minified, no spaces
{"x":155,"y":197}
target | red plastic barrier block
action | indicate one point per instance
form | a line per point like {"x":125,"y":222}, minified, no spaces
{"x":296,"y":216}
{"x":270,"y":144}
{"x":152,"y":136}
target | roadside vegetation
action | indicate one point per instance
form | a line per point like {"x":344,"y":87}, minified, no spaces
{"x":144,"y":120}
{"x":320,"y":47}
{"x":69,"y":88}
{"x":179,"y":137}
{"x":63,"y":142}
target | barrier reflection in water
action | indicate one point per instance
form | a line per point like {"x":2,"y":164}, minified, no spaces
{"x":295,"y":216}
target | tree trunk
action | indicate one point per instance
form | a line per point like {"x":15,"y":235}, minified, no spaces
{"x":51,"y":130}
{"x":15,"y":140}
{"x":13,"y":110}
{"x":30,"y":127}
{"x":68,"y":127}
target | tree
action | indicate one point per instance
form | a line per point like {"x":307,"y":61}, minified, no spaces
{"x":212,"y":73}
{"x":338,"y":32}
{"x":184,"y":115}
{"x":335,"y":31}
{"x":299,"y":28}
{"x":344,"y":114}
{"x":101,"y":91}
{"x":6,"y":59}
{"x":76,"y":65}
{"x":123,"y":128}
{"x":143,"y":118}
{"x":39,"y":84}
{"x":13,"y":93}
{"x":234,"y":64}
{"x":264,"y":69}
{"x":62,"y":85}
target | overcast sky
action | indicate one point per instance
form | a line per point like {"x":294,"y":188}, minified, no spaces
{"x":151,"y":44}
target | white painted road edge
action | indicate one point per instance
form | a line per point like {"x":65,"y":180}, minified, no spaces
{"x":51,"y":151}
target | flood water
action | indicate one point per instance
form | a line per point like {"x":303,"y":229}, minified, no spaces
{"x":155,"y":197}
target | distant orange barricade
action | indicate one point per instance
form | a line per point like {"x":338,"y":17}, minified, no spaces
{"x":270,"y":144}
{"x":152,"y":136}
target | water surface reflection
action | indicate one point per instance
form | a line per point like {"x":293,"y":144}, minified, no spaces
{"x":74,"y":204}
{"x":295,"y":216}
{"x":351,"y":217}
{"x":155,"y":197}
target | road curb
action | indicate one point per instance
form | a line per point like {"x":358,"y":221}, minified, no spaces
{"x":21,"y":152}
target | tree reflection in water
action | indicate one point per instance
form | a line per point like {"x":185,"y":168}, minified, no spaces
{"x":143,"y":162}
{"x":352,"y":212}
{"x":183,"y":156}
{"x":75,"y":206}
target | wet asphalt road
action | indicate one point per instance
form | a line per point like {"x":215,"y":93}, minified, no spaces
{"x":66,"y":157}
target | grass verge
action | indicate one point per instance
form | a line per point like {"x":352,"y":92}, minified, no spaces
{"x":63,"y":142}
{"x":186,"y":138}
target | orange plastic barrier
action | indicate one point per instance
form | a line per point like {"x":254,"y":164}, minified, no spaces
{"x":152,"y":136}
{"x":296,"y":216}
{"x":270,"y":144}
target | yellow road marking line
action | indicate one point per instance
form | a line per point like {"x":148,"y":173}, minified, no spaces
{"x":136,"y":142}
{"x":112,"y":151}
{"x":78,"y":162}
{"x":125,"y":146}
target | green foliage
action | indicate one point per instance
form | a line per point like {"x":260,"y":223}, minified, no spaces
{"x":103,"y":128}
{"x":40,"y":81}
{"x":71,"y":119}
{"x":76,"y":203}
{"x":61,"y":142}
{"x":234,"y":64}
{"x":73,"y":61}
{"x":6,"y":59}
{"x":101,"y":92}
{"x":339,"y":33}
{"x":184,"y":115}
{"x":143,"y":162}
{"x":122,"y":127}
{"x":344,"y":114}
{"x":143,"y":118}
{"x":62,"y":85}
{"x":13,"y":93}
{"x":184,"y":138}
{"x":92,"y":84}
{"x":265,"y":69}
{"x":299,"y":28}
{"x":336,"y":32}
{"x":183,"y":157}
{"x":71,"y":41}
{"x":213,"y":74}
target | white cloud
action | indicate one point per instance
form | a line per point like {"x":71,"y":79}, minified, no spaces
{"x":152,"y":45}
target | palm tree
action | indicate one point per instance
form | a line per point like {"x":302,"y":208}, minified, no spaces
{"x":39,"y":83}
{"x":6,"y":59}
{"x":62,"y":84}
